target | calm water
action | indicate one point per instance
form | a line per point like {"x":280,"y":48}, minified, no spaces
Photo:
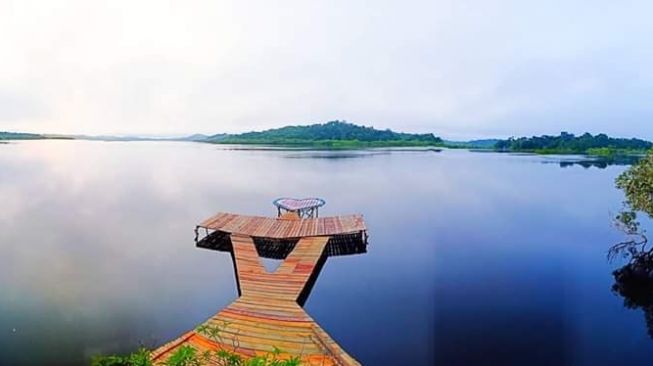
{"x":474,"y":259}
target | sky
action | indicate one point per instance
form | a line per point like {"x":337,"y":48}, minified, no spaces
{"x":459,"y":69}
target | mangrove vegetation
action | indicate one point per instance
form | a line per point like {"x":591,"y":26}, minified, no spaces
{"x":568,"y":143}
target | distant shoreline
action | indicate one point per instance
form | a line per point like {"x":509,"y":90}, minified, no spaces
{"x":597,"y":152}
{"x":325,"y":145}
{"x":340,"y":145}
{"x":342,"y":135}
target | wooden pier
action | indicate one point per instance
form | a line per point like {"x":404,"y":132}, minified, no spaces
{"x":268,"y":312}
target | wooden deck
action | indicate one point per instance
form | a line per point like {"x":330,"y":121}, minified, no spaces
{"x":267,"y":227}
{"x":268,"y":313}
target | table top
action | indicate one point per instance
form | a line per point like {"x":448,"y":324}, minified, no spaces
{"x":294,"y":204}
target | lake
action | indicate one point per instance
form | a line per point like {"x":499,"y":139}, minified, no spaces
{"x":474,"y":258}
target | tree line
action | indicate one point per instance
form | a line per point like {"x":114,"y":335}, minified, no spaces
{"x":569,"y":143}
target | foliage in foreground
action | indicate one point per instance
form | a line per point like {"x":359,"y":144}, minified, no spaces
{"x":637,"y":185}
{"x":634,"y":281}
{"x":138,"y":358}
{"x":189,"y":356}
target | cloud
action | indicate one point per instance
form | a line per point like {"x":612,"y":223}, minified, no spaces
{"x":454,"y":68}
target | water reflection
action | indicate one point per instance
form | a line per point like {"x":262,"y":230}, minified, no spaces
{"x":634,"y":282}
{"x":600,"y":163}
{"x":312,"y":153}
{"x":470,"y":253}
{"x":349,"y":154}
{"x":335,"y":155}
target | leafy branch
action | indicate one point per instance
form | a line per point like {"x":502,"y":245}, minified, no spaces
{"x":636,"y":239}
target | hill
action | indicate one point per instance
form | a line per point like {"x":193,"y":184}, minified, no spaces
{"x":568,"y":143}
{"x":334,"y":134}
{"x":204,"y":138}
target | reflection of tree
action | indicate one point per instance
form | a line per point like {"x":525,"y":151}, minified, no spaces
{"x":585,"y":164}
{"x":634,"y":282}
{"x":601,"y":162}
{"x":634,"y":244}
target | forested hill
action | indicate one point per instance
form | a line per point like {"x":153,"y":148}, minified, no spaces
{"x":330,"y":134}
{"x":569,"y":143}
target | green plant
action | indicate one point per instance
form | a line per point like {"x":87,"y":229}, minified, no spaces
{"x":139,"y":358}
{"x":189,"y":356}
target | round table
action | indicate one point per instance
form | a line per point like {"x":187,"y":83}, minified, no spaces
{"x":304,"y":208}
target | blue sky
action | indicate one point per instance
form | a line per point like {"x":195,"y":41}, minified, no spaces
{"x":460,"y":69}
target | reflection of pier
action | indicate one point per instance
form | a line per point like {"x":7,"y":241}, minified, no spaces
{"x":268,"y":312}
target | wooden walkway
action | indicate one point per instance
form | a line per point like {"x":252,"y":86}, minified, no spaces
{"x":268,"y":313}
